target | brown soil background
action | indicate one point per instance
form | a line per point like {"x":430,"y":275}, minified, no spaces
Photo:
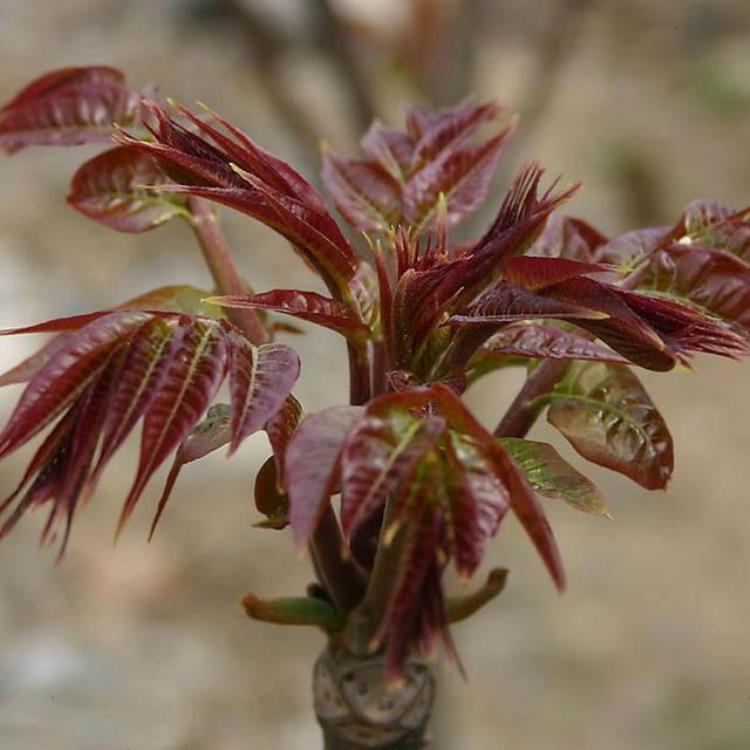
{"x":144,"y":647}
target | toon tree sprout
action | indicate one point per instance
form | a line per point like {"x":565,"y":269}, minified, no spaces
{"x":400,"y":480}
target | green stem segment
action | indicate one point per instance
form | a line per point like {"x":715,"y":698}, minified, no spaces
{"x":221,"y":264}
{"x":459,"y":608}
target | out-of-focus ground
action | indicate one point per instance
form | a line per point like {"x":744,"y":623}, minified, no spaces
{"x":144,"y":647}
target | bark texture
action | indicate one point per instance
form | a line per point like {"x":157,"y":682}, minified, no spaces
{"x":358,"y":710}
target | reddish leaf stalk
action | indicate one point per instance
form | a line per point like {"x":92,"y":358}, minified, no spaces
{"x":223,"y":270}
{"x":339,"y":575}
{"x":359,"y":375}
{"x":523,"y":412}
{"x":364,"y":622}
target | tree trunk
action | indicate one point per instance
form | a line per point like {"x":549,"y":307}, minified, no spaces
{"x":358,"y":710}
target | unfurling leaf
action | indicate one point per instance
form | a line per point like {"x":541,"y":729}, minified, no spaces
{"x":552,"y":476}
{"x":380,"y":457}
{"x":117,"y":189}
{"x":605,"y":413}
{"x":68,"y":107}
{"x":409,"y":175}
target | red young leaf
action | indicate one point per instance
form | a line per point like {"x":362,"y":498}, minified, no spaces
{"x":67,"y":373}
{"x":24,"y":371}
{"x":523,"y":502}
{"x":81,"y":448}
{"x":46,"y":466}
{"x":506,"y":302}
{"x":115,"y":367}
{"x":439,"y":133}
{"x":142,"y":376}
{"x":537,"y":273}
{"x":462,"y":178}
{"x":366,"y":194}
{"x":686,"y":330}
{"x":260,"y":379}
{"x":565,"y":237}
{"x":401,"y":619}
{"x":711,"y":280}
{"x":116,"y":189}
{"x":312,"y":466}
{"x":192,"y":379}
{"x":651,"y":332}
{"x":391,"y":149}
{"x":478,"y":505}
{"x":410,"y":175}
{"x":540,"y":342}
{"x":609,"y":419}
{"x":513,"y":488}
{"x":280,"y":429}
{"x":251,"y":157}
{"x":68,"y":107}
{"x":206,"y":437}
{"x":624,"y":329}
{"x":233,"y":170}
{"x":316,"y":308}
{"x":56,"y":325}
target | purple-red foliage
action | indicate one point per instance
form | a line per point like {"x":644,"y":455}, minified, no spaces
{"x":421,"y":480}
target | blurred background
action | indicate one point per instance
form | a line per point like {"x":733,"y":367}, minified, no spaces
{"x":145,"y":647}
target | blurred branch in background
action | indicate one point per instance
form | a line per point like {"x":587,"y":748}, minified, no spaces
{"x":264,"y":42}
{"x":334,"y":40}
{"x":552,"y":49}
{"x":440,"y":48}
